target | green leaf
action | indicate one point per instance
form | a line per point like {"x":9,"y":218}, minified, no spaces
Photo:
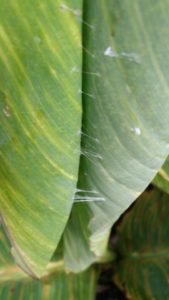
{"x":161,"y":180}
{"x":56,"y":284}
{"x":142,"y":246}
{"x":77,"y":254}
{"x":61,"y":286}
{"x":76,"y":249}
{"x":40,"y":119}
{"x":125,"y":133}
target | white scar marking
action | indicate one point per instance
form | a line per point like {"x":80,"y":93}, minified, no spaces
{"x":75,"y":69}
{"x":87,"y":94}
{"x":92,"y":73}
{"x":134,"y":57}
{"x":131,"y":56}
{"x":65,"y":8}
{"x":88,"y":199}
{"x":77,"y":13}
{"x":136,"y":130}
{"x":87,"y":51}
{"x":6,"y":111}
{"x":86,"y":191}
{"x":109,"y":52}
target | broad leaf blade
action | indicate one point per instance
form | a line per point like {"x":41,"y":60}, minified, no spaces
{"x":40,"y":117}
{"x":56,"y":284}
{"x":60,"y":286}
{"x":126,"y":108}
{"x":142,"y":246}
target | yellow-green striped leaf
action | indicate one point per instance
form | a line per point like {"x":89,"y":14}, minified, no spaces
{"x":142,"y":247}
{"x":60,"y":286}
{"x":54,"y":285}
{"x":40,"y":119}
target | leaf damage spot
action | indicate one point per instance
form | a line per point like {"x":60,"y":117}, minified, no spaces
{"x":134,"y":57}
{"x":131,"y":57}
{"x":92,"y":73}
{"x":89,"y":137}
{"x":87,"y":94}
{"x":77,"y":13}
{"x":37,"y":39}
{"x":90,"y":154}
{"x":7,"y":111}
{"x":78,"y":199}
{"x":87,"y":51}
{"x":136,"y":130}
{"x":65,"y":8}
{"x":75,"y":69}
{"x":109,"y":52}
{"x":87,"y":196}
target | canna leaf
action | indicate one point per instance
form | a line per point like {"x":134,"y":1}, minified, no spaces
{"x":40,"y":119}
{"x":142,"y":247}
{"x":56,"y":284}
{"x":125,"y":132}
{"x":61,"y":287}
{"x":76,"y":249}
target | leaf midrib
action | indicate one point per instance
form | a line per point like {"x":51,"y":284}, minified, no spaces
{"x":147,"y":255}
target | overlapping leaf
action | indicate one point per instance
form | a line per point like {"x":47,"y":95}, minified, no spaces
{"x":76,"y":249}
{"x":56,"y":284}
{"x":161,"y":180}
{"x":61,"y":287}
{"x":125,"y":133}
{"x":40,"y":118}
{"x":143,"y":248}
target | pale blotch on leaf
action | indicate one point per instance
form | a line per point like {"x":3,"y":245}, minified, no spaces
{"x":86,"y":94}
{"x":134,"y":57}
{"x":65,"y":8}
{"x":87,"y":51}
{"x":75,"y":70}
{"x":109,"y":52}
{"x":131,"y":57}
{"x":136,"y":130}
{"x":7,"y":111}
{"x":37,"y":39}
